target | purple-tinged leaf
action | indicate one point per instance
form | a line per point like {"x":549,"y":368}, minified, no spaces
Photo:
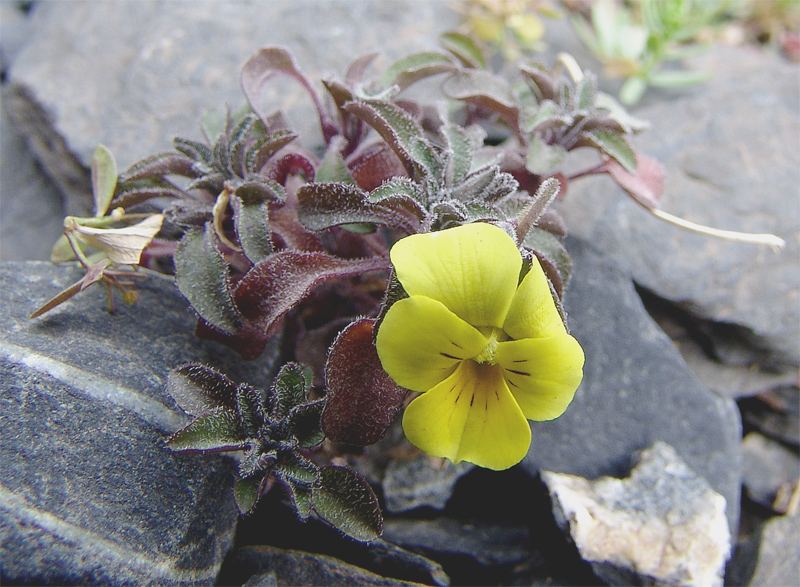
{"x":345,"y":500}
{"x":305,"y":423}
{"x":414,"y":67}
{"x":246,"y":493}
{"x":293,"y":163}
{"x":552,"y":222}
{"x":398,"y":186}
{"x":646,"y":185}
{"x":268,"y":62}
{"x":323,"y":205}
{"x":188,"y":214}
{"x":542,"y":80}
{"x":486,"y":90}
{"x":290,"y":389}
{"x":464,"y":48}
{"x":394,"y":125}
{"x":201,"y":274}
{"x":543,"y":157}
{"x":356,"y":70}
{"x":266,"y":147}
{"x":374,"y":165}
{"x":250,"y":218}
{"x":280,"y":282}
{"x":340,"y":93}
{"x":250,"y":409}
{"x":217,"y":431}
{"x":135,"y":191}
{"x":161,"y":165}
{"x":199,"y":389}
{"x":548,"y":116}
{"x":194,"y":150}
{"x":249,"y":341}
{"x":362,"y":400}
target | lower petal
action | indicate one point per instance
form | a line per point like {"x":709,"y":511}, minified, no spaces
{"x":470,"y":416}
{"x":542,"y":373}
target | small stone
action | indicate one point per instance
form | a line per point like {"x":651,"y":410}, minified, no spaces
{"x":89,"y":492}
{"x":266,"y":565}
{"x":769,"y":558}
{"x":420,"y":483}
{"x":768,"y":465}
{"x":663,"y":525}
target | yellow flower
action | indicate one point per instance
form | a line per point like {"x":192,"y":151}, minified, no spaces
{"x":488,"y":351}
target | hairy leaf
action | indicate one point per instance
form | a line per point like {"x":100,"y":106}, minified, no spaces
{"x":374,"y":165}
{"x":542,"y":80}
{"x":305,"y":424}
{"x":612,"y":145}
{"x":250,"y":408}
{"x":135,"y":191}
{"x":280,"y":282}
{"x":398,"y":186}
{"x":160,"y":165}
{"x":459,"y":152}
{"x":346,"y":501}
{"x":362,"y":399}
{"x":542,"y":157}
{"x":332,"y":167}
{"x":256,"y":460}
{"x":290,"y":387}
{"x":301,"y":496}
{"x":415,"y":67}
{"x":250,"y":212}
{"x":548,"y":116}
{"x":483,"y":89}
{"x":265,"y":147}
{"x":298,"y":469}
{"x":544,"y":196}
{"x":465,"y":48}
{"x":323,"y":205}
{"x":245,"y":492}
{"x":219,"y":430}
{"x":104,"y":179}
{"x":202,"y":277}
{"x":199,"y":389}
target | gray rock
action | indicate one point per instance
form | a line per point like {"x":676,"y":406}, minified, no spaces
{"x":768,"y":465}
{"x":133,"y":75}
{"x":775,"y":414}
{"x":31,"y":217}
{"x":771,"y":557}
{"x":663,"y":525}
{"x":266,"y":565}
{"x":636,"y":389}
{"x":729,"y":148}
{"x":487,"y":544}
{"x":89,"y":492}
{"x":408,"y":485}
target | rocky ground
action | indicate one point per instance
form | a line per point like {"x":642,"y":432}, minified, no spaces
{"x":676,"y":464}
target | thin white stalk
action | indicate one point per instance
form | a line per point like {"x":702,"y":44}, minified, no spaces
{"x":774,"y":242}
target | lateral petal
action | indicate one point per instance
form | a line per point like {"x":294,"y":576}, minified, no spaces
{"x":420,"y":342}
{"x":533,"y":312}
{"x":470,"y":416}
{"x":472,"y":269}
{"x":542,"y":373}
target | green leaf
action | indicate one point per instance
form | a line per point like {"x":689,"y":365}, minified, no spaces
{"x":632,"y":90}
{"x":202,"y":277}
{"x":197,"y":151}
{"x":346,"y":501}
{"x":305,"y":425}
{"x":256,"y":460}
{"x":199,"y":389}
{"x":296,"y":468}
{"x":677,"y":78}
{"x":542,"y":157}
{"x":250,"y":407}
{"x":465,"y":48}
{"x":301,"y":496}
{"x":586,"y":91}
{"x":398,"y":186}
{"x":332,"y":167}
{"x":459,"y":152}
{"x":614,"y":146}
{"x":547,"y":116}
{"x":415,"y":67}
{"x":219,"y":430}
{"x":265,"y":147}
{"x":250,"y":216}
{"x":104,"y":179}
{"x":245,"y":491}
{"x":290,"y":388}
{"x":483,"y":89}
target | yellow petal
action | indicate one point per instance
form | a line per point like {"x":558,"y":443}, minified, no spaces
{"x":472,"y":269}
{"x":470,"y":416}
{"x":122,"y":245}
{"x":542,"y":373}
{"x":533,"y":313}
{"x":420,"y":342}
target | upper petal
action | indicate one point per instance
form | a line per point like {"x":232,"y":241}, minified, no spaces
{"x":420,"y":342}
{"x":533,"y":312}
{"x":472,"y":269}
{"x":470,"y":416}
{"x":542,"y":373}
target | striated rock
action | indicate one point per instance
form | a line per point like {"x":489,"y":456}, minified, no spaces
{"x":417,"y":483}
{"x":89,"y":493}
{"x":771,"y":557}
{"x":729,"y":148}
{"x":663,"y":525}
{"x":266,"y":565}
{"x":636,"y":389}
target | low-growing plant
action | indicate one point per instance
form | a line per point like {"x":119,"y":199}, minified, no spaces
{"x":415,"y":253}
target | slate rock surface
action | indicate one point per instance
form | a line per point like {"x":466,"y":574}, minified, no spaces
{"x":662,"y":525}
{"x":636,"y":390}
{"x":729,"y":149}
{"x":89,"y":492}
{"x":771,"y":557}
